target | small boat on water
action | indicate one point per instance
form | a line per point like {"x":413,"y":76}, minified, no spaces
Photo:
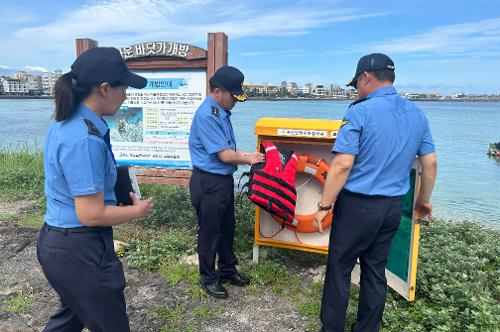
{"x":494,"y":149}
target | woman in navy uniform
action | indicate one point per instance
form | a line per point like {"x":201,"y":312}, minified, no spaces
{"x":75,"y":246}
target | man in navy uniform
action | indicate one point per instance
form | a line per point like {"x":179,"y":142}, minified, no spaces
{"x":380,"y":136}
{"x":214,"y":155}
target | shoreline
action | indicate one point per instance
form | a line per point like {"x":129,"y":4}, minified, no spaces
{"x":492,"y":100}
{"x":489,"y":100}
{"x":25,"y":97}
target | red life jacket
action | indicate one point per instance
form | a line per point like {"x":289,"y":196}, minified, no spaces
{"x":271,"y":184}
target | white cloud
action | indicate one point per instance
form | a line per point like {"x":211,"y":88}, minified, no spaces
{"x":16,"y":14}
{"x":4,"y":67}
{"x":269,"y":53}
{"x":123,"y":22}
{"x":127,"y":21}
{"x":252,"y":53}
{"x":34,"y":68}
{"x":473,"y":38}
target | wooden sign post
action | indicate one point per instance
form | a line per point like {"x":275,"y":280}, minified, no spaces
{"x":150,"y":131}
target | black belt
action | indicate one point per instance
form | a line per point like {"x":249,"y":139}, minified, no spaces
{"x":83,"y":229}
{"x":200,"y":171}
{"x":352,"y":193}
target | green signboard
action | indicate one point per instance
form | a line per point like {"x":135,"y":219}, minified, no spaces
{"x":401,"y":268}
{"x":399,"y":256}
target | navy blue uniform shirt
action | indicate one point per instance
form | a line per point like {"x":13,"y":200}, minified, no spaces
{"x":76,"y":162}
{"x":211,"y":132}
{"x":385,"y":133}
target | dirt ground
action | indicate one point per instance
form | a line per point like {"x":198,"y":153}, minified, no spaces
{"x":145,"y":292}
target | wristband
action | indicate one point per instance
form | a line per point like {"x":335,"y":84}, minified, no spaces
{"x":324,"y":208}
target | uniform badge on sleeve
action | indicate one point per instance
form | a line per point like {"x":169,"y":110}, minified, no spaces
{"x":344,"y":122}
{"x":92,"y":129}
{"x":215,"y":111}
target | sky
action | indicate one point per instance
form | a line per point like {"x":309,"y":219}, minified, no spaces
{"x":437,"y":46}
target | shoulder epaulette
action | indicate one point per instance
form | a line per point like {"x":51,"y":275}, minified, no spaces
{"x":92,"y":128}
{"x":215,"y":111}
{"x":358,"y":101}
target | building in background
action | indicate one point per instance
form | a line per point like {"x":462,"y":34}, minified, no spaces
{"x":307,"y":88}
{"x":21,"y":75}
{"x":260,"y":90}
{"x":252,"y":88}
{"x":289,"y":86}
{"x":49,"y":81}
{"x":320,"y":90}
{"x":35,"y":86}
{"x":14,"y":86}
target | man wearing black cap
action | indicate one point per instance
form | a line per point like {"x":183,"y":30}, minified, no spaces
{"x":376,"y":146}
{"x":214,"y":156}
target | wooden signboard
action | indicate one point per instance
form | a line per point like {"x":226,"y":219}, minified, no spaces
{"x":151,"y":130}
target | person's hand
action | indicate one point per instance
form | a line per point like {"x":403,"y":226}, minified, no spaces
{"x":423,"y":209}
{"x":143,"y":207}
{"x":319,"y":216}
{"x":255,"y":157}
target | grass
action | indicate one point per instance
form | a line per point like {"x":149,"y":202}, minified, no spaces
{"x":32,"y":219}
{"x":8,"y":217}
{"x":196,"y":293}
{"x":175,"y":272}
{"x":164,"y":246}
{"x":312,"y":304}
{"x":203,"y":313}
{"x":275,"y":276}
{"x":458,"y":273}
{"x":458,"y":288}
{"x":20,"y":302}
{"x":189,"y":327}
{"x":175,"y":317}
{"x":22,"y":172}
{"x":310,"y":308}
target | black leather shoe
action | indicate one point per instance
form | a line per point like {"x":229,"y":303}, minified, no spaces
{"x":215,"y":290}
{"x":236,"y":279}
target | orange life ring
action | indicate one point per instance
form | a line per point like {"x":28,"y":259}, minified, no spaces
{"x":317,"y":168}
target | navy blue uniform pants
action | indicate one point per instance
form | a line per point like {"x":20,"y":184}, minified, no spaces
{"x":212,"y":196}
{"x":363,"y":227}
{"x":82,"y":267}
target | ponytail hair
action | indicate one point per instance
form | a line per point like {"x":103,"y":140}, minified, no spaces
{"x":68,"y":95}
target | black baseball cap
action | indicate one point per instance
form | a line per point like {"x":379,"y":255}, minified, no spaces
{"x":231,"y":79}
{"x":104,"y":64}
{"x":371,"y":62}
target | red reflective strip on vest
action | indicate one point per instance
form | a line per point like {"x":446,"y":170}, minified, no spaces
{"x":272,"y":194}
{"x":274,"y":187}
{"x":288,"y":192}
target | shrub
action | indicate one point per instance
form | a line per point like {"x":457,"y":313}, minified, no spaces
{"x":244,"y":228}
{"x":167,"y":246}
{"x":458,"y":288}
{"x":172,"y":206}
{"x":22,"y":172}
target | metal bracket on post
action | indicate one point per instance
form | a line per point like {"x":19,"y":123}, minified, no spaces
{"x":255,"y":257}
